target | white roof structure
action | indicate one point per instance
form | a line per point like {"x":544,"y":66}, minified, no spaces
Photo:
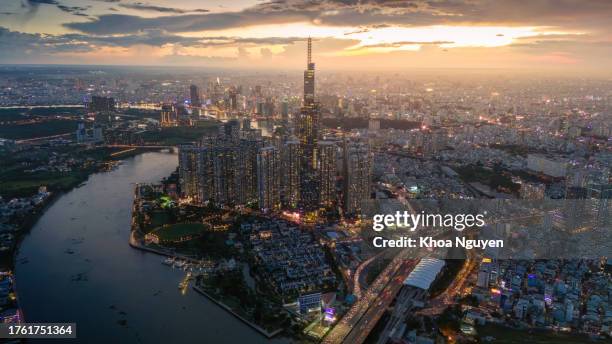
{"x":424,"y":273}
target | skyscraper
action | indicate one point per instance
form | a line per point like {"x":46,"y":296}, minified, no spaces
{"x":308,"y":134}
{"x":246,"y":179}
{"x":268,"y":170}
{"x":168,"y":116}
{"x":357,"y":171}
{"x":327,"y":173}
{"x":194,"y":93}
{"x":188,"y":170}
{"x":291,"y":174}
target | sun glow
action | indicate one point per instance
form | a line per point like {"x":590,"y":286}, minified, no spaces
{"x":444,"y":36}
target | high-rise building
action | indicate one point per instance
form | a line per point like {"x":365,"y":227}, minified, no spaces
{"x":285,"y":111}
{"x":268,"y":170}
{"x":233,"y":99}
{"x":308,"y":134}
{"x":357,"y":174}
{"x":194,"y":94}
{"x":230,"y":130}
{"x":327,"y":173}
{"x":101,"y":104}
{"x":247,"y":167}
{"x":205,"y":172}
{"x":188,"y":170}
{"x":222,"y":168}
{"x":168,"y":116}
{"x":225,"y":173}
{"x":309,"y":76}
{"x":291,"y":174}
{"x":103,"y":108}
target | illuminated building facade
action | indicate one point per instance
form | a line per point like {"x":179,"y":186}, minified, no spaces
{"x":327,"y":173}
{"x":268,"y":169}
{"x":291,"y":174}
{"x":308,"y":135}
{"x":357,"y":174}
{"x":168,"y":115}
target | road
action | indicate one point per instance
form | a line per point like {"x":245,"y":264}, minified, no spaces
{"x":442,"y":301}
{"x":138,"y":146}
{"x":375,"y":295}
{"x":364,"y":326}
{"x":359,"y":273}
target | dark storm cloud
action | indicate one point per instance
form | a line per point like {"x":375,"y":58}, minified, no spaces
{"x":371,"y":13}
{"x":39,"y":2}
{"x":146,"y":7}
{"x":32,"y":7}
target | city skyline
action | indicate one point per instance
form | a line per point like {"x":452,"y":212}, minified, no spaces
{"x":570,"y":36}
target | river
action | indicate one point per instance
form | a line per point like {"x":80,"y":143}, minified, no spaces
{"x":76,"y":266}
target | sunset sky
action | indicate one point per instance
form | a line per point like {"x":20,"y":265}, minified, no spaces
{"x":563,"y":35}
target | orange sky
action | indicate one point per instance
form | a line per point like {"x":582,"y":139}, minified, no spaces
{"x":571,"y":36}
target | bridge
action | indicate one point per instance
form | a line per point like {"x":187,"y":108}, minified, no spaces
{"x":139,"y":146}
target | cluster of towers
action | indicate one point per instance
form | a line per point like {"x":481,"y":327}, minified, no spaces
{"x":237,"y":166}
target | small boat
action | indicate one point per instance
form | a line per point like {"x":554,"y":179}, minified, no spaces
{"x":168,"y":261}
{"x":185,"y":282}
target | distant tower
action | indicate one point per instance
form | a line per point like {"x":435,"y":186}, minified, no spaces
{"x":168,"y":116}
{"x":194,"y":93}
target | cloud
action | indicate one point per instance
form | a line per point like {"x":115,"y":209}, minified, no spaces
{"x":13,"y":43}
{"x":146,"y":7}
{"x":39,"y":2}
{"x":120,"y":23}
{"x":403,"y":43}
{"x":365,"y":15}
{"x":75,"y":10}
{"x":32,"y":7}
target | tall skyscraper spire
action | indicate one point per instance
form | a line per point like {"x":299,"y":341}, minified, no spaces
{"x":309,"y":77}
{"x":309,"y":61}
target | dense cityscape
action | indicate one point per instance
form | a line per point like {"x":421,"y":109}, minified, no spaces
{"x":183,"y":204}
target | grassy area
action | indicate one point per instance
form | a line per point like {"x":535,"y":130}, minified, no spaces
{"x":505,"y":335}
{"x":159,"y":218}
{"x":33,"y":130}
{"x":176,"y":135}
{"x":29,"y":184}
{"x":176,"y":231}
{"x":210,"y":244}
{"x":16,"y":182}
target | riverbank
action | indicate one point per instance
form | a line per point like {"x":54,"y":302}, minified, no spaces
{"x":231,"y":311}
{"x":26,"y":222}
{"x":136,"y":241}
